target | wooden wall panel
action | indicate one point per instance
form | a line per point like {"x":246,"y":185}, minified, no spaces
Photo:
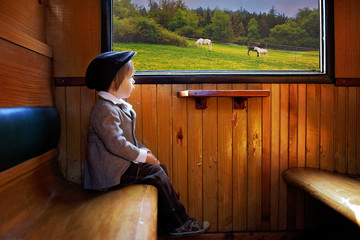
{"x":73,"y":134}
{"x":60,"y":98}
{"x":327,"y":128}
{"x":351,"y":138}
{"x":254,"y":160}
{"x":240,"y":166}
{"x":164,"y":147}
{"x":73,"y":30}
{"x":180,"y":145}
{"x":284,"y":151}
{"x":358,"y":130}
{"x":224,"y":161}
{"x":210,"y":160}
{"x":135,"y":101}
{"x":292,"y":162}
{"x":275,"y":156}
{"x":347,"y":33}
{"x":25,"y":77}
{"x":340,"y":129}
{"x":149,"y":112}
{"x":195,"y":160}
{"x":227,"y":163}
{"x":27,"y":16}
{"x":266,"y":161}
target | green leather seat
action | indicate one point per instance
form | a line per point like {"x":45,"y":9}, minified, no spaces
{"x":27,"y":132}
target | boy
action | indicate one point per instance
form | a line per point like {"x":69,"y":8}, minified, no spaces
{"x":114,"y":155}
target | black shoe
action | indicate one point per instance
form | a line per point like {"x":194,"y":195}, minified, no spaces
{"x":190,"y":228}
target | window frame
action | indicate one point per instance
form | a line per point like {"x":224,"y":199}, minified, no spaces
{"x":256,"y":76}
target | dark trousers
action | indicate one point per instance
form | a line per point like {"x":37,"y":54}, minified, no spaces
{"x":171,"y":212}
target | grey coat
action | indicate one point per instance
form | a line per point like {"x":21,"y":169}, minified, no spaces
{"x":112,"y":144}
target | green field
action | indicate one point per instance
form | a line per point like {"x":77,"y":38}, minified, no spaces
{"x":221,"y":57}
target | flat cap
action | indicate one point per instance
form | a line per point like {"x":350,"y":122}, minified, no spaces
{"x":102,"y":70}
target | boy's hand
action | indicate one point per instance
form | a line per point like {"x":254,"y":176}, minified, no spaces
{"x":152,"y":159}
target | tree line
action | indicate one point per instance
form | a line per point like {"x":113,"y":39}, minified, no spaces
{"x":172,"y":22}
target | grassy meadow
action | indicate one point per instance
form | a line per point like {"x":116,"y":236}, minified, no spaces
{"x":221,"y":57}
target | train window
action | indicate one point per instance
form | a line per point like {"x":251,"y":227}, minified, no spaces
{"x":183,"y":41}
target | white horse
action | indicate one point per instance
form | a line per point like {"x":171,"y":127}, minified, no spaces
{"x":261,"y":50}
{"x":202,"y":41}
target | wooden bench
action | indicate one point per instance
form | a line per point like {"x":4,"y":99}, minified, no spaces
{"x":338,"y":191}
{"x":38,"y":203}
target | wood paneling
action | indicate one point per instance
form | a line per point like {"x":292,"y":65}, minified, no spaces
{"x":26,"y":16}
{"x":210,"y":160}
{"x":73,"y":30}
{"x":17,"y":37}
{"x":347,"y":33}
{"x":25,"y":77}
{"x":240,"y":166}
{"x":227,"y":163}
{"x":195,"y":159}
{"x":224,"y":139}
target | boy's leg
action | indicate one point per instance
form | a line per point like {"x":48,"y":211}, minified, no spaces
{"x":172,"y":212}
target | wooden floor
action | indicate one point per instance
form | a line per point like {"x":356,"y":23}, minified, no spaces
{"x":296,"y":235}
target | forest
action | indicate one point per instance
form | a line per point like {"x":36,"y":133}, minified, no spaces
{"x":171,"y":22}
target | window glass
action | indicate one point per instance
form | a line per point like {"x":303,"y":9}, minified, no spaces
{"x":225,"y":36}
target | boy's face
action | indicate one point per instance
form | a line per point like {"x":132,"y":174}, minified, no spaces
{"x":126,"y":86}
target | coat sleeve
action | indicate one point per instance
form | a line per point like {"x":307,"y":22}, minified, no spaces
{"x":107,"y":127}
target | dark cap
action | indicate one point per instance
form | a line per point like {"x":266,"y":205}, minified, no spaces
{"x":102,"y":70}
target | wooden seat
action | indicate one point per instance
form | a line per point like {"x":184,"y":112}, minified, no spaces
{"x":42,"y":205}
{"x":338,"y":191}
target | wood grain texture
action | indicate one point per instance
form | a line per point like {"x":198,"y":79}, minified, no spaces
{"x":225,"y":161}
{"x":51,"y":208}
{"x":340,"y":130}
{"x":313,"y":125}
{"x":26,"y":16}
{"x":136,"y":101}
{"x":275,"y":156}
{"x":327,"y":128}
{"x":254,"y":160}
{"x":73,"y":134}
{"x":293,"y":153}
{"x":195,"y":159}
{"x":73,"y":30}
{"x":337,"y":191}
{"x":164,"y":126}
{"x":87,"y":100}
{"x":210,"y":161}
{"x":21,"y":169}
{"x":283,"y":123}
{"x":266,"y":161}
{"x":240,"y":166}
{"x":347,"y":31}
{"x":351,"y":138}
{"x":284,"y":153}
{"x":25,"y":77}
{"x":15,"y":36}
{"x":149,"y":112}
{"x":180,"y":145}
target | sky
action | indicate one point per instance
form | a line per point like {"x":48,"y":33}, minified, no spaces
{"x":288,"y":7}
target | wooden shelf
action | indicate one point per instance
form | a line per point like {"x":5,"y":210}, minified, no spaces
{"x":240,"y":96}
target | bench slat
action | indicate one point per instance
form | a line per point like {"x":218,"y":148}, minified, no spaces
{"x":339,"y":192}
{"x":42,"y":205}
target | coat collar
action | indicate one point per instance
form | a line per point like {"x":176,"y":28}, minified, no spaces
{"x":124,"y":106}
{"x":117,"y":101}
